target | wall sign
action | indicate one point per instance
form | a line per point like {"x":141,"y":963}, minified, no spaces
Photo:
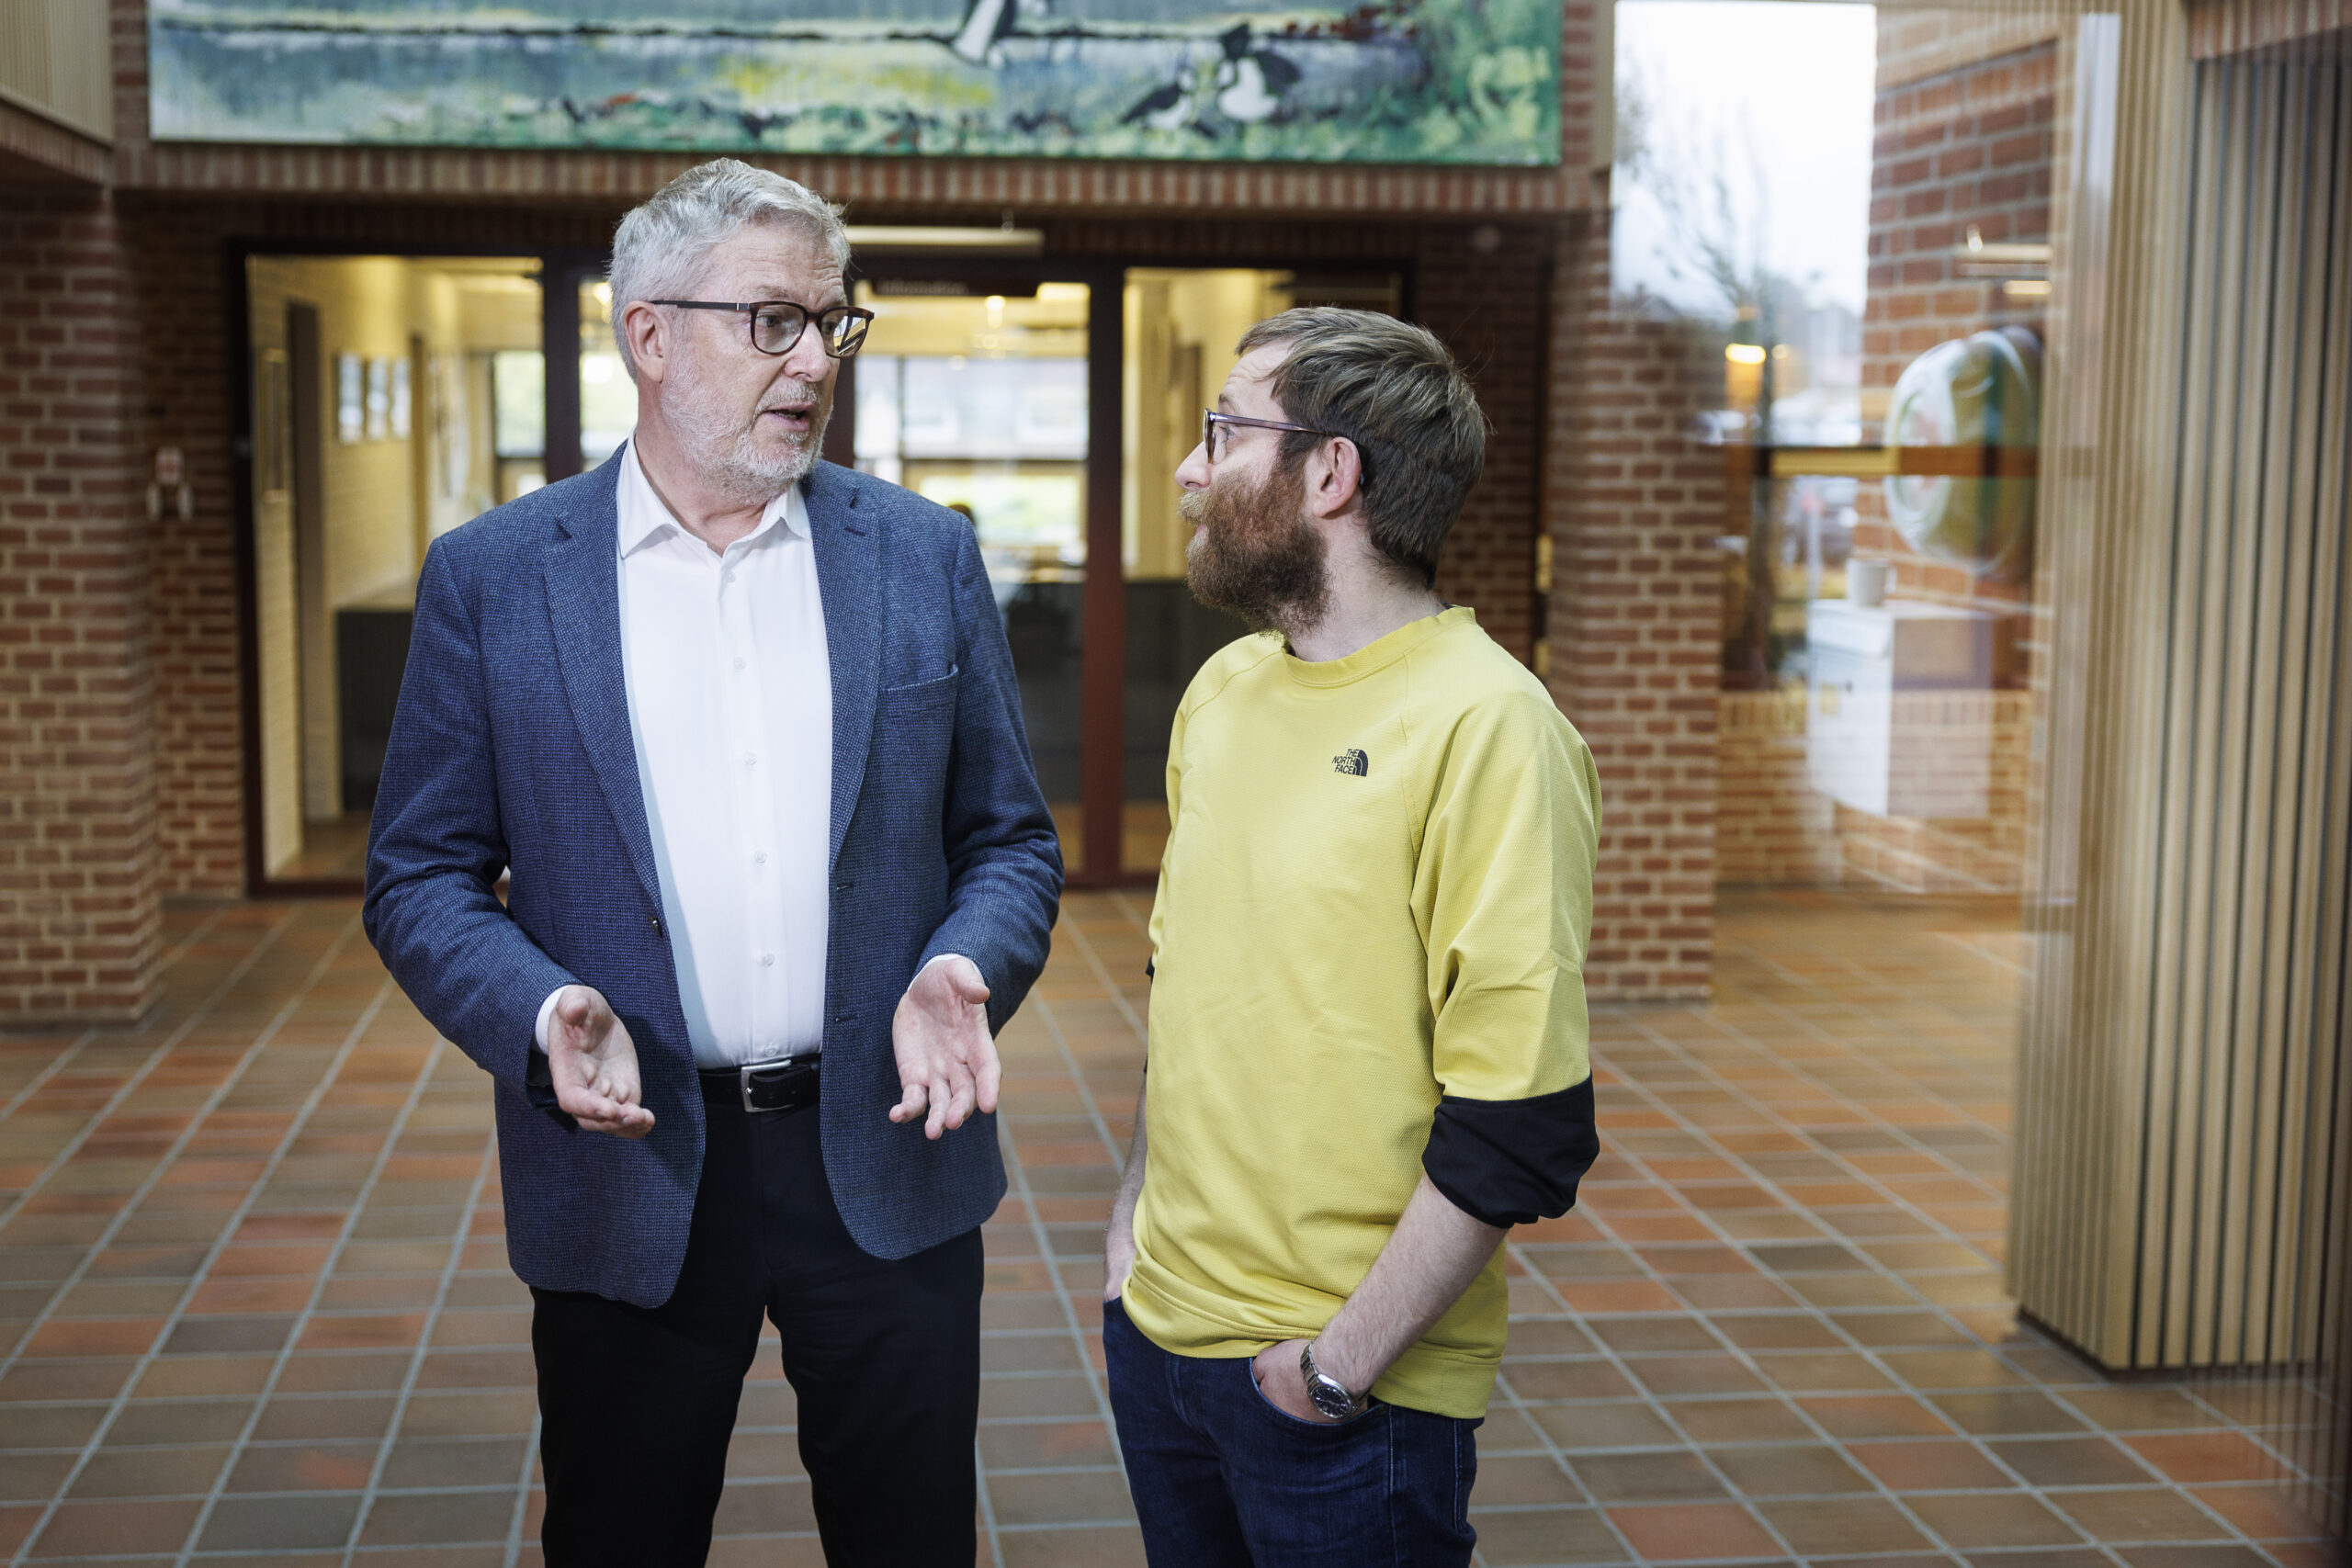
{"x":1472,"y":82}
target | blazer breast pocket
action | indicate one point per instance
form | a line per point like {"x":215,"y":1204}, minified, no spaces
{"x":916,"y":739}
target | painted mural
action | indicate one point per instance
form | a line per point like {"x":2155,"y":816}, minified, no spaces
{"x":1392,"y":81}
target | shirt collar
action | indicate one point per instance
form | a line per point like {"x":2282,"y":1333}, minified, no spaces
{"x":644,"y":517}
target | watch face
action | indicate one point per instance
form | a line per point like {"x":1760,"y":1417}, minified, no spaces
{"x":1330,"y":1399}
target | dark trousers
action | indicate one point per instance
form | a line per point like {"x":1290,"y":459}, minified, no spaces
{"x":1222,"y":1479}
{"x":638,"y":1405}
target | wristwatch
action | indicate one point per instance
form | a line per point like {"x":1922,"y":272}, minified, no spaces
{"x":1330,"y":1395}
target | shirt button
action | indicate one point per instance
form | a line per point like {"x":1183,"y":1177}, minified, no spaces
{"x":760,"y":858}
{"x":726,"y":577}
{"x":767,"y":960}
{"x":751,"y":760}
{"x":740,"y":663}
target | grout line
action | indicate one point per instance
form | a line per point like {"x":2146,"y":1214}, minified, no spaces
{"x":227,"y":1231}
{"x":399,"y":1124}
{"x":1085,"y":1095}
{"x":63,"y":1059}
{"x":187,"y":1134}
{"x":523,"y":1494}
{"x":139,"y":1076}
{"x":1870,"y":1354}
{"x":1094,"y":1381}
{"x":988,"y":1507}
{"x":458,"y":1245}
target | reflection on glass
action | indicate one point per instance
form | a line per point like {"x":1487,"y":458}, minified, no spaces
{"x":343,"y":508}
{"x":607,"y":396}
{"x":979,"y":402}
{"x":1865,"y":266}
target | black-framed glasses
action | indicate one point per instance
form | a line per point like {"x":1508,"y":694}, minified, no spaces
{"x":1215,"y":430}
{"x":777,"y":325}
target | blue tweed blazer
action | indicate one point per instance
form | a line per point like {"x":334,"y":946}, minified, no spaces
{"x":512,"y":752}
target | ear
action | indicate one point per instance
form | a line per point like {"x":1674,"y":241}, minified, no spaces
{"x":1334,"y":477}
{"x":646,"y":331}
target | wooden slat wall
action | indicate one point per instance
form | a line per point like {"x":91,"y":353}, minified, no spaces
{"x":2185,"y":1097}
{"x":56,"y":60}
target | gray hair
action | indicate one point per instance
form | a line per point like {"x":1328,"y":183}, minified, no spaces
{"x":1392,"y":389}
{"x":661,"y":247}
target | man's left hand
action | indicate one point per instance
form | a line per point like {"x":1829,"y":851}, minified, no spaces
{"x":1282,"y":1382}
{"x":947,"y":1064}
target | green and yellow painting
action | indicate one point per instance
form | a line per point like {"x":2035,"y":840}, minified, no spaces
{"x":1390,"y":82}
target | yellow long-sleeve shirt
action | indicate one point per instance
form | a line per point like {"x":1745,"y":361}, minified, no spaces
{"x":1376,"y":898}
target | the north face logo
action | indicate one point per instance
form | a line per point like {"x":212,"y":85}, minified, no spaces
{"x":1351,"y":761}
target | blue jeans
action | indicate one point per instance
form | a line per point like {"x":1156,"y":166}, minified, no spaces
{"x":1222,"y":1479}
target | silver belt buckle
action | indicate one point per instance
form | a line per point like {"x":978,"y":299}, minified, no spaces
{"x":744,"y":1082}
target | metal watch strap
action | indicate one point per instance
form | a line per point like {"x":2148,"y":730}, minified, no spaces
{"x":1325,"y":1392}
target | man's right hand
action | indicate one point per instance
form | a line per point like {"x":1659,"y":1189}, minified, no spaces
{"x":593,"y":1063}
{"x":1118,"y":1254}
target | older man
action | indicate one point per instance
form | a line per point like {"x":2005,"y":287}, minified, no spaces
{"x":1368,"y":1035}
{"x":743,"y":727}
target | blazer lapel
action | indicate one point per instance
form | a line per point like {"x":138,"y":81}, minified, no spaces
{"x":849,"y":582}
{"x":583,"y":602}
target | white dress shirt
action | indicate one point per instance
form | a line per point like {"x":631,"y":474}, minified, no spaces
{"x":730,"y":700}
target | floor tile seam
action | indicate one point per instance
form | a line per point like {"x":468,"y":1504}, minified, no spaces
{"x":386,"y":1152}
{"x":1775,"y":1188}
{"x":221,"y":1243}
{"x":1891,"y":1027}
{"x":1111,"y":987}
{"x":1085,"y":1094}
{"x":162,"y":1164}
{"x":1559,"y":1457}
{"x":522,"y":1494}
{"x":1980,"y":1443}
{"x":65,"y":1058}
{"x":1788,"y":1400}
{"x":1126,"y":905}
{"x":1659,"y":1410}
{"x":164,"y":1048}
{"x":1094,"y":1380}
{"x":40,"y":1078}
{"x":988,"y":1505}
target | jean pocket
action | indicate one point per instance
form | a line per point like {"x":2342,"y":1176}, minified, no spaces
{"x":1299,"y":1423}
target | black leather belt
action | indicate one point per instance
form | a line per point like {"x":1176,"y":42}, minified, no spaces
{"x":771,"y":1086}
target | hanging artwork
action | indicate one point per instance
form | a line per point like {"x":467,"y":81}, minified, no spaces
{"x":1389,"y":82}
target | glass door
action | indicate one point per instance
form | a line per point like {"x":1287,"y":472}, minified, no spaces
{"x":974,"y":392}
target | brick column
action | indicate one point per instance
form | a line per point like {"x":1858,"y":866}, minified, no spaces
{"x":1636,"y":620}
{"x":80,"y":920}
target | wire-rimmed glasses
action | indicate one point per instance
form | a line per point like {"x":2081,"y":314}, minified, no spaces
{"x":1215,"y":427}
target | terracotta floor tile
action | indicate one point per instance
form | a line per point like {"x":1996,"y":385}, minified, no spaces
{"x":1764,"y":1152}
{"x":1791,"y":1470}
{"x":1546,"y":1536}
{"x":1876,"y":1416}
{"x":2204,"y":1456}
{"x":2143,"y":1514}
{"x":1984,"y":1520}
{"x":2261,"y":1511}
{"x":1693,"y":1532}
{"x":1845,"y":1524}
{"x":1646,"y":1477}
{"x":115,"y":1528}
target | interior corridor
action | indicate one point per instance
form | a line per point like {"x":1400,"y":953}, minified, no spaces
{"x":255,"y":1306}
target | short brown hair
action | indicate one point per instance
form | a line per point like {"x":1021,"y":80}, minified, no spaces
{"x":1392,"y":389}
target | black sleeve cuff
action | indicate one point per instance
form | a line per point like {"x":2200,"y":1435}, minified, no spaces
{"x":1510,"y":1162}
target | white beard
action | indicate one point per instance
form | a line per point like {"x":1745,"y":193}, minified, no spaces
{"x":727,"y":456}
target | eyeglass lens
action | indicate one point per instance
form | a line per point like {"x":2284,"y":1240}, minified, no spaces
{"x":776,"y":328}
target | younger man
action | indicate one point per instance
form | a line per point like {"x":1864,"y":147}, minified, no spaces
{"x":1368,"y":1032}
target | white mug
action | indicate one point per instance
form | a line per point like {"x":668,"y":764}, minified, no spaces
{"x":1867,"y":581}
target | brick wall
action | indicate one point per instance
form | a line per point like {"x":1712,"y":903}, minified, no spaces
{"x":80,"y":920}
{"x":1967,"y":143}
{"x":1635,"y":619}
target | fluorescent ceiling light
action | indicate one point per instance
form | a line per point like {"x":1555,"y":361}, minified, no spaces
{"x":926,"y":237}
